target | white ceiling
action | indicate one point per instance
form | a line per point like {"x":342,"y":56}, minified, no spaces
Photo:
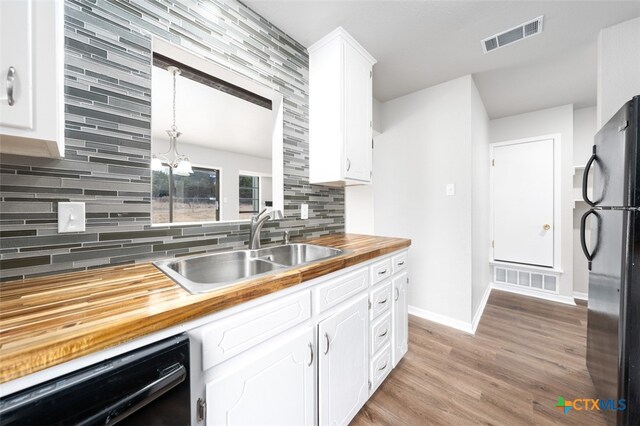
{"x":208,"y":117}
{"x":422,"y":43}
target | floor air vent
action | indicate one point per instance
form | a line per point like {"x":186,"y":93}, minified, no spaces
{"x":532,"y":280}
{"x":528,"y":29}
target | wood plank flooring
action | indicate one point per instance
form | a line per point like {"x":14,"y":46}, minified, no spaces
{"x":525,"y":354}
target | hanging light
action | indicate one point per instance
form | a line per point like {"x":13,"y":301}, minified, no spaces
{"x":178,"y":162}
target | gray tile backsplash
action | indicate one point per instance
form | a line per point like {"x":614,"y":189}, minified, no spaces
{"x":108,"y":148}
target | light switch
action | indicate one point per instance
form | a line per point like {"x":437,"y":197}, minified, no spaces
{"x":71,"y":217}
{"x":304,"y":211}
{"x":451,"y":189}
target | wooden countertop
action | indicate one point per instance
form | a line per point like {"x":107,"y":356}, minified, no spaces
{"x":50,"y":320}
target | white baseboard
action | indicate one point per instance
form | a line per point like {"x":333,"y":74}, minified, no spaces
{"x":567,"y":300}
{"x":441,"y":319}
{"x":580,"y":295}
{"x":480,"y":311}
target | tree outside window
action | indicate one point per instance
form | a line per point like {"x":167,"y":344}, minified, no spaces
{"x":194,"y":198}
{"x":249,"y":196}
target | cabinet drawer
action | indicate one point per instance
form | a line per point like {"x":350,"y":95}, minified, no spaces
{"x":399,"y":262}
{"x":228,"y":337}
{"x":380,"y":333}
{"x":380,"y":299}
{"x":380,"y":368}
{"x":337,"y":290}
{"x":380,"y":271}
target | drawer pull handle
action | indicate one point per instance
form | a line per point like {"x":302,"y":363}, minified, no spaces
{"x":348,"y":164}
{"x":382,"y":272}
{"x":385,"y":333}
{"x":383,"y":301}
{"x":401,"y":263}
{"x":11,"y":73}
{"x":397,"y":293}
{"x":384,"y":366}
{"x":310,"y":350}
{"x":326,"y":336}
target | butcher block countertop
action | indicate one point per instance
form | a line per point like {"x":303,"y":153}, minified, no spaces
{"x":46,"y":321}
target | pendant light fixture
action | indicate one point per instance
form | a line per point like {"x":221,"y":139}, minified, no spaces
{"x":179,"y":163}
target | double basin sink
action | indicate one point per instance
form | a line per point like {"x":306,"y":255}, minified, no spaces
{"x":208,"y":272}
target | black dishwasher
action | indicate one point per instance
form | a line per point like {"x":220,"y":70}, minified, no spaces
{"x":147,"y":386}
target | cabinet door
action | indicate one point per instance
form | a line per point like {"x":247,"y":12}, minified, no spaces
{"x":358,"y":114}
{"x":344,"y":361}
{"x":16,"y":43}
{"x":400,"y":317}
{"x":275,"y":386}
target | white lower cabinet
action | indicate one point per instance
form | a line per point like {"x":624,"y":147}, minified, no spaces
{"x":343,"y":366}
{"x":308,"y":357}
{"x":400,"y":314}
{"x":275,"y":386}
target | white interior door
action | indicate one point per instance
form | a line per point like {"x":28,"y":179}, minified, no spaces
{"x":523,"y":198}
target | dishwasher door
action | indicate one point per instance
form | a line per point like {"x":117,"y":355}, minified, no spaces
{"x":147,"y":386}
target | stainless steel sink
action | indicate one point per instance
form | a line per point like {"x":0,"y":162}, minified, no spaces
{"x":204,"y":273}
{"x":296,"y":254}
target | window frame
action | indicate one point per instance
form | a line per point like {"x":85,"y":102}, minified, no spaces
{"x":255,"y":190}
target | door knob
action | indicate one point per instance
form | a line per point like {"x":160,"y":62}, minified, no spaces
{"x":546,"y":227}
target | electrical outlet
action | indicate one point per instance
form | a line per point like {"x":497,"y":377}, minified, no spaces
{"x":71,"y":217}
{"x":451,"y":189}
{"x":304,"y":211}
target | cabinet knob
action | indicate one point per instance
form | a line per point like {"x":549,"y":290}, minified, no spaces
{"x":11,"y":73}
{"x":546,"y":227}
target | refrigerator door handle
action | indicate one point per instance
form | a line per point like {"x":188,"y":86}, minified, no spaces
{"x":585,"y":178}
{"x":583,"y":241}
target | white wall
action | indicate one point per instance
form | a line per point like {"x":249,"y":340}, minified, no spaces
{"x":618,"y":67}
{"x":358,"y":209}
{"x":584,"y":128}
{"x":539,"y":123}
{"x":230,"y":164}
{"x":426,"y":143}
{"x":480,"y":272}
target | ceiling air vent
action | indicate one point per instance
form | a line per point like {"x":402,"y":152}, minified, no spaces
{"x":528,"y":29}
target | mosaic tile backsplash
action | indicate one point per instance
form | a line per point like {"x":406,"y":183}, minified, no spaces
{"x":107,"y":127}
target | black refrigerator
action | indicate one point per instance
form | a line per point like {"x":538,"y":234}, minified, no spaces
{"x":613,"y":254}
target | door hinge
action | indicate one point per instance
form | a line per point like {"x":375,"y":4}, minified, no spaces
{"x":493,"y":243}
{"x":370,"y":74}
{"x":201,"y":410}
{"x":369,"y":384}
{"x":371,"y":123}
{"x":493,"y":162}
{"x":371,"y":143}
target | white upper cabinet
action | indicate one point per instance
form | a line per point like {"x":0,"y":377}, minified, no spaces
{"x":32,"y":77}
{"x":340,"y":111}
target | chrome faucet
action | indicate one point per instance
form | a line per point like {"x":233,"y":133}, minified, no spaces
{"x":256,"y":226}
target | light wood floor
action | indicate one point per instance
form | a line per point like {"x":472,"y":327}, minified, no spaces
{"x":525,"y":353}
